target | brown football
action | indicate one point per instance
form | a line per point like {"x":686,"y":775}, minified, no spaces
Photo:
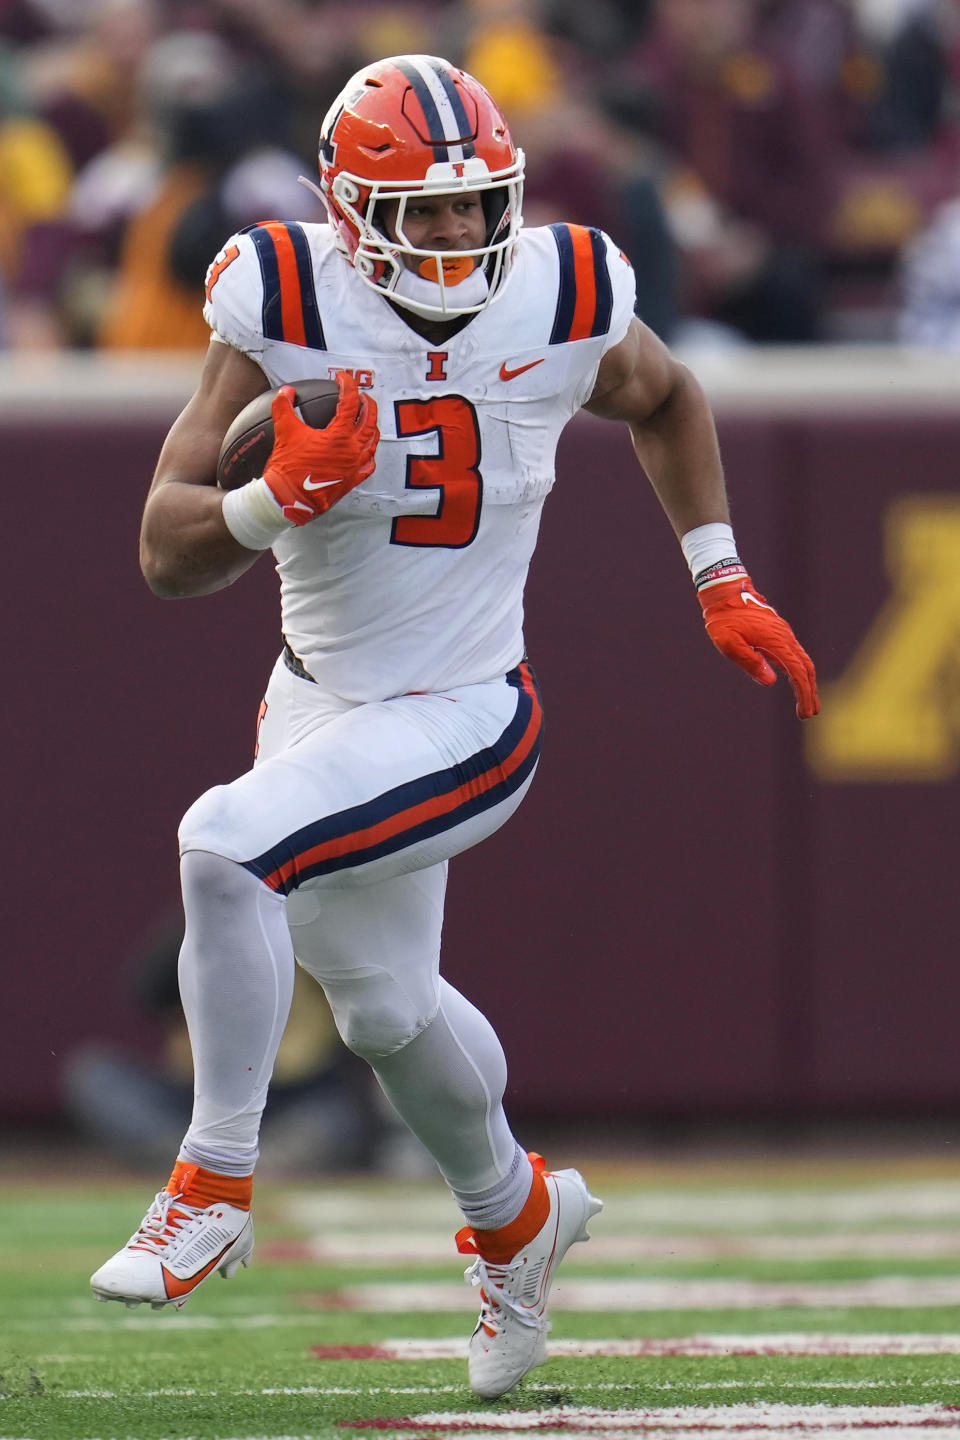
{"x":247,"y":444}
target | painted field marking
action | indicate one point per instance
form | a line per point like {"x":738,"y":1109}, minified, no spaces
{"x":720,"y":1208}
{"x":613,"y":1295}
{"x":609,"y":1387}
{"x":433,"y":1247}
{"x":821,"y":1421}
{"x":688,"y":1346}
{"x":122,"y":1321}
{"x":681,"y":1293}
{"x":748,"y":1422}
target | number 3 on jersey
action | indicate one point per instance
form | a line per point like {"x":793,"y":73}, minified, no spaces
{"x":452,"y":472}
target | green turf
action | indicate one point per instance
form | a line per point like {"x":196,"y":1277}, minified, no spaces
{"x":72,"y":1369}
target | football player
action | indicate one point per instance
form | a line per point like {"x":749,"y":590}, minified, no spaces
{"x":401,"y":723}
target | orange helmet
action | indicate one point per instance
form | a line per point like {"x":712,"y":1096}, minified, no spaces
{"x":403,"y":128}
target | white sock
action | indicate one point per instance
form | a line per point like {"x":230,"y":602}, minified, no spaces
{"x":236,"y":983}
{"x":503,"y":1202}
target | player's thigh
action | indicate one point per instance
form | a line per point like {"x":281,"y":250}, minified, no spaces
{"x":379,"y":790}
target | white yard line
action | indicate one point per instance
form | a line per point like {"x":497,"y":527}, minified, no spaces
{"x":682,"y":1293}
{"x":454,"y":1347}
{"x":569,"y":1294}
{"x":121,"y":1320}
{"x":345,"y":1247}
{"x":721,"y":1208}
{"x":534,"y":1386}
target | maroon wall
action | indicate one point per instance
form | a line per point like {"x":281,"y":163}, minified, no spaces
{"x":690,"y":915}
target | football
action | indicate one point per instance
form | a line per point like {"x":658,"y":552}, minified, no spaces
{"x":247,"y":444}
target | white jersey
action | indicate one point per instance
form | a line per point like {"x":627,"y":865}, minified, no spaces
{"x":414,"y":580}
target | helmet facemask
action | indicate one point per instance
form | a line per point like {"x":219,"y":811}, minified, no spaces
{"x":380,"y":258}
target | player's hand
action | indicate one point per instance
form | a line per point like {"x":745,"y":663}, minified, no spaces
{"x":309,"y":470}
{"x":750,"y":632}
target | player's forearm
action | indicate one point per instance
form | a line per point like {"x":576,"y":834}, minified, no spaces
{"x":185,"y":547}
{"x":677,"y":447}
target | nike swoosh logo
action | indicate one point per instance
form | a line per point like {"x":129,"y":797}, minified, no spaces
{"x":749,"y":599}
{"x":506,"y":374}
{"x":309,"y":484}
{"x":175,"y":1287}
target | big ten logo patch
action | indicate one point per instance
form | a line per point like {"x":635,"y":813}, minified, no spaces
{"x":364,"y":378}
{"x":894,"y":715}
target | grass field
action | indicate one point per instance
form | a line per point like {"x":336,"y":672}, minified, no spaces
{"x":757,"y":1299}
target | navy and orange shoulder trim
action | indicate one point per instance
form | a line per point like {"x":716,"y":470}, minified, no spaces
{"x":290,"y":309}
{"x":585,"y":297}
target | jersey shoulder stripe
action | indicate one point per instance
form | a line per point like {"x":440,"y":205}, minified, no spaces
{"x":585,"y":294}
{"x":290,"y":311}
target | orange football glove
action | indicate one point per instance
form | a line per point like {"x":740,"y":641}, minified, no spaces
{"x":309,"y":470}
{"x":750,"y":632}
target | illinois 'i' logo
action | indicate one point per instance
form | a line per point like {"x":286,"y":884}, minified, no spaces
{"x":438,"y":364}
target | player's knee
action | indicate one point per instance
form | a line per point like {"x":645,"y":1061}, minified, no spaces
{"x":375,"y":1017}
{"x":209,"y":824}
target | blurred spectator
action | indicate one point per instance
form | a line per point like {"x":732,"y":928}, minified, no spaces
{"x":592,"y":163}
{"x":814,"y":37}
{"x":503,"y":43}
{"x":601,"y":31}
{"x":587,"y":161}
{"x":84,"y":82}
{"x":186,"y":83}
{"x":208,"y":117}
{"x":750,"y":187}
{"x":930,"y":284}
{"x":35,"y":178}
{"x":507,"y":50}
{"x":308,"y":49}
{"x":881,"y":70}
{"x":880,"y":66}
{"x":323,"y":1113}
{"x":906,"y":43}
{"x":150,"y":211}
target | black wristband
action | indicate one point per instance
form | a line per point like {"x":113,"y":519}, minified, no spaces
{"x":728,"y":569}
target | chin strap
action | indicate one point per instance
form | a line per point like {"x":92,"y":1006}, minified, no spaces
{"x":428,"y":293}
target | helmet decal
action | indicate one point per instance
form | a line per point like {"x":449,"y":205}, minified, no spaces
{"x":448,"y":127}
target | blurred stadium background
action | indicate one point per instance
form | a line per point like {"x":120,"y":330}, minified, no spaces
{"x":706,"y":919}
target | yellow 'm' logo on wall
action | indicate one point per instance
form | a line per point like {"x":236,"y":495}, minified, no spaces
{"x":895,"y":713}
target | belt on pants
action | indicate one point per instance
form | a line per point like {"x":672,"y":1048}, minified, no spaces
{"x":294,"y":663}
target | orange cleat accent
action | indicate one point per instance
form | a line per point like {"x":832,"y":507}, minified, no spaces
{"x":205,"y":1187}
{"x":177,"y":1288}
{"x":499,"y":1246}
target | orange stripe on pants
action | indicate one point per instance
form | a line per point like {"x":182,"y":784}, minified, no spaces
{"x":359,"y":840}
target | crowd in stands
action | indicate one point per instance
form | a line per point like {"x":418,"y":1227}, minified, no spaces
{"x":778,"y":171}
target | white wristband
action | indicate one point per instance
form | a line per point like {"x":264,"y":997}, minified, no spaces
{"x":707,"y":545}
{"x":253,"y":517}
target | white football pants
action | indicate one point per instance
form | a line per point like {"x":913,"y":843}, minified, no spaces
{"x":339,"y":837}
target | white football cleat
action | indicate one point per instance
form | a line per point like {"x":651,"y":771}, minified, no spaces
{"x":511,"y":1333}
{"x":176,"y":1247}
